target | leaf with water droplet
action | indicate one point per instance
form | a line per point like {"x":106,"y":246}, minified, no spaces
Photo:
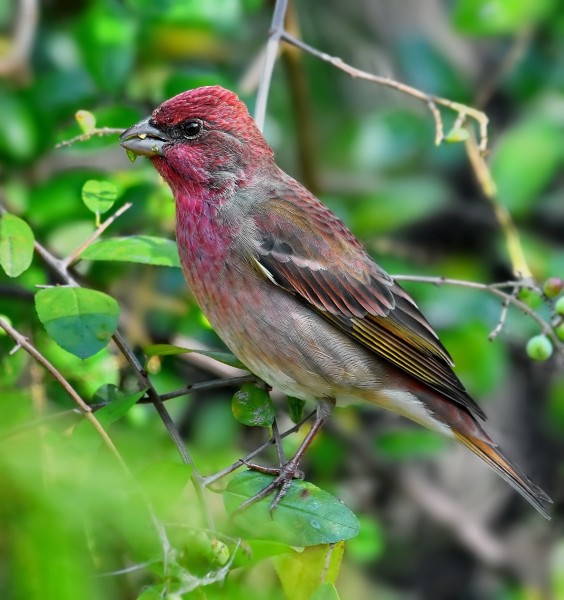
{"x":306,"y":515}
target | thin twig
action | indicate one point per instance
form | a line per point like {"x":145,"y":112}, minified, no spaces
{"x":24,"y":343}
{"x":207,"y":481}
{"x":205,"y":385}
{"x":502,"y":317}
{"x":430,"y":100}
{"x":99,"y":131}
{"x":75,"y":254}
{"x":495,"y":290}
{"x":272,"y":47}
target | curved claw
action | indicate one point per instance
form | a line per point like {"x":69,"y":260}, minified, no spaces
{"x":285,"y":475}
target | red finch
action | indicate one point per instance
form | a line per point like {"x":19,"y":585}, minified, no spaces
{"x":291,"y":291}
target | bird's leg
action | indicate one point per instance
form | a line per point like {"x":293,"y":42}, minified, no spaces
{"x":278,"y":443}
{"x":289,"y":470}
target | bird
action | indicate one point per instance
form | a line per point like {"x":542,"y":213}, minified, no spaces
{"x":292,"y":292}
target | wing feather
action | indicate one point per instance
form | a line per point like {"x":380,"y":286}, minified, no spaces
{"x":307,"y":251}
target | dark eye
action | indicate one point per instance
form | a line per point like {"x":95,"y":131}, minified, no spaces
{"x":192,"y":129}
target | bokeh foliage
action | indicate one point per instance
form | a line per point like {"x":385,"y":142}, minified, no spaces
{"x":70,"y":515}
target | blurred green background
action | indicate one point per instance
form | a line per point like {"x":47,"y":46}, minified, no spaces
{"x":435,"y":522}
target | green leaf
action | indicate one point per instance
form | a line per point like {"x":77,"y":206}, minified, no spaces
{"x":302,"y":574}
{"x":87,"y":437}
{"x":168,"y":350}
{"x":296,"y":407}
{"x":252,"y":405}
{"x":495,"y":17}
{"x":326,"y":591}
{"x":116,"y":409}
{"x":306,"y":515}
{"x":81,"y":321}
{"x":86,"y":120}
{"x":143,"y":249}
{"x":16,"y":245}
{"x":99,"y":196}
{"x":524,"y":162}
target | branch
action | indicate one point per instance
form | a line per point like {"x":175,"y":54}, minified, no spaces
{"x":99,"y":131}
{"x":207,"y":481}
{"x":495,"y":290}
{"x":75,"y":254}
{"x":23,"y":342}
{"x":431,"y":101}
{"x":272,"y":46}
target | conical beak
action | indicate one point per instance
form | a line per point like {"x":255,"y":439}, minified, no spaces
{"x":144,"y":139}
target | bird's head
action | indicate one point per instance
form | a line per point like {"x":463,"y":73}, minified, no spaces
{"x":201,"y":139}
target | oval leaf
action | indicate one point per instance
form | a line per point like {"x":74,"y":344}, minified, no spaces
{"x":252,"y":405}
{"x":142,"y":249}
{"x":86,"y":121}
{"x":99,"y":196}
{"x":81,"y":321}
{"x":16,"y":245}
{"x":306,"y":515}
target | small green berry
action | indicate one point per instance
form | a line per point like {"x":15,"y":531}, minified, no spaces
{"x":539,"y":347}
{"x":559,"y":331}
{"x":553,"y":286}
{"x":559,"y":306}
{"x":530,"y":297}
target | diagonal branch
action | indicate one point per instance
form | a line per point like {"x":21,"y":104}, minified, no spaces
{"x":23,"y":342}
{"x":463,"y":111}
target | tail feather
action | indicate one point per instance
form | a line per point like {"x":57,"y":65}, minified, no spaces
{"x":494,"y":457}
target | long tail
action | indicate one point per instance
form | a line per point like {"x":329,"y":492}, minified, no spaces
{"x":488,"y":451}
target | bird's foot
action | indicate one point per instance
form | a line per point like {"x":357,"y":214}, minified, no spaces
{"x":285,"y":474}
